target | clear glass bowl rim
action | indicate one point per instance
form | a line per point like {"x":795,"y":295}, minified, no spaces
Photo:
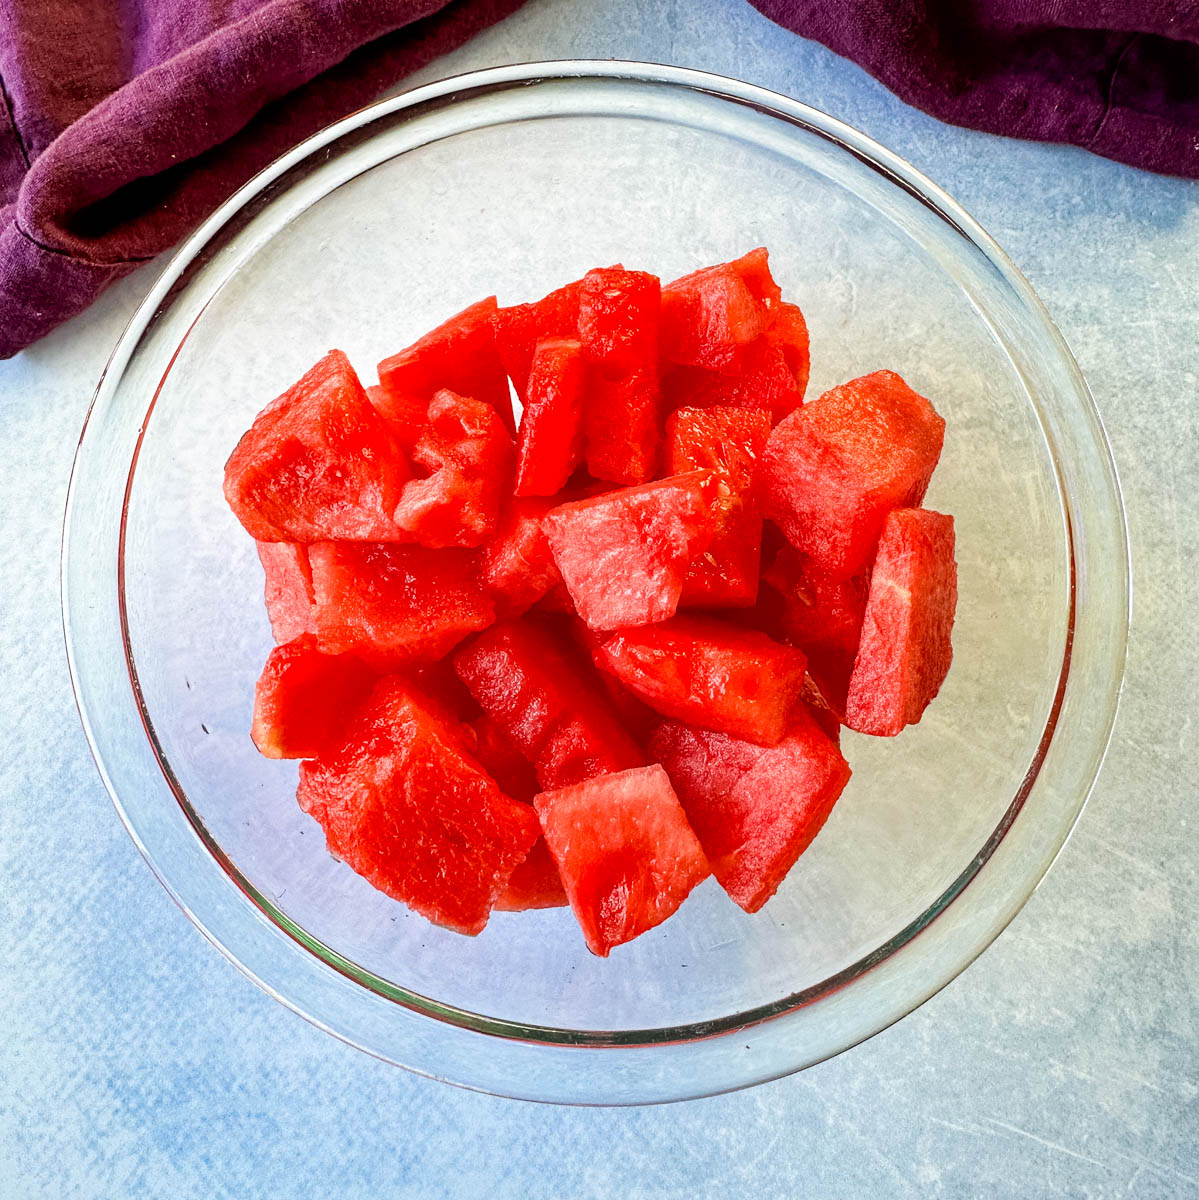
{"x":795,"y":1008}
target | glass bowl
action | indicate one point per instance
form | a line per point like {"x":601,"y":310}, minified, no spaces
{"x":514,"y":180}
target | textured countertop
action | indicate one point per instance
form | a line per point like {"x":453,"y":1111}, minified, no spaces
{"x":137,"y":1061}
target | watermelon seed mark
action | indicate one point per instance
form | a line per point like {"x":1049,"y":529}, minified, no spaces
{"x":204,"y":727}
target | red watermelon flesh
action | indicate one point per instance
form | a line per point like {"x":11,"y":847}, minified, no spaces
{"x":754,"y":810}
{"x":834,"y":468}
{"x":626,"y":854}
{"x":905,"y":649}
{"x":551,"y":427}
{"x":710,"y":673}
{"x":290,"y":600}
{"x":503,"y":761}
{"x":624,"y":555}
{"x":729,"y":440}
{"x":402,"y":805}
{"x":708,"y":318}
{"x":754,"y":270}
{"x":519,"y":328}
{"x":547,"y":701}
{"x":395,"y":605}
{"x":820,"y":711}
{"x":618,"y":319}
{"x":823,"y":617}
{"x":468,"y":454}
{"x":536,"y":883}
{"x":518,"y":567}
{"x":460,"y":355}
{"x":318,"y":463}
{"x":787,"y":333}
{"x":304,"y":699}
{"x":622,"y":421}
{"x":762,"y":379}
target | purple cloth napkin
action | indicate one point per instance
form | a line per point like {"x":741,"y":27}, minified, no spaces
{"x":1118,"y":77}
{"x":123,"y":124}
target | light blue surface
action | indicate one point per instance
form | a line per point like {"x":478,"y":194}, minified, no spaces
{"x":137,"y":1061}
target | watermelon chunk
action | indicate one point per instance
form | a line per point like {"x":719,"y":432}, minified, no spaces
{"x":624,"y":555}
{"x":290,"y":599}
{"x":754,"y":270}
{"x":402,"y":805}
{"x":536,"y":883}
{"x":395,"y":605}
{"x":905,"y":651}
{"x":787,"y":332}
{"x":469,"y":455}
{"x":622,"y":420}
{"x":518,"y":567}
{"x":304,"y":699}
{"x":708,"y":318}
{"x":547,"y":701}
{"x":709,"y":673}
{"x":318,"y":463}
{"x":731,"y":441}
{"x":551,"y":426}
{"x":754,"y":810}
{"x":823,"y":617}
{"x":618,"y":319}
{"x":519,"y":328}
{"x":763,"y":379}
{"x":834,"y":468}
{"x":460,"y":355}
{"x":626,"y":854}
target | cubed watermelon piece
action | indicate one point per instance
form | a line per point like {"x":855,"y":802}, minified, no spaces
{"x":618,"y":319}
{"x":625,"y":852}
{"x":729,"y":440}
{"x":708,"y":318}
{"x":754,"y":269}
{"x":905,"y":651}
{"x":624,"y":555}
{"x":834,"y":468}
{"x":787,"y":332}
{"x":823,"y":617}
{"x":518,"y":566}
{"x":622,"y":423}
{"x":469,"y":456}
{"x":519,"y":328}
{"x":318,"y":463}
{"x":290,"y":600}
{"x":710,"y":673}
{"x":460,"y":355}
{"x":304,"y":699}
{"x":403,"y":806}
{"x":547,"y":701}
{"x":754,"y":810}
{"x":536,"y":883}
{"x":550,"y":446}
{"x":762,"y":380}
{"x":395,"y":605}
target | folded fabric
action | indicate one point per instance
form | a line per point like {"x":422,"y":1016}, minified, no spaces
{"x":122,"y":126}
{"x":1117,"y":77}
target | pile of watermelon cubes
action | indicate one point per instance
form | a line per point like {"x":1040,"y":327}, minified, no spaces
{"x":596,"y":657}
